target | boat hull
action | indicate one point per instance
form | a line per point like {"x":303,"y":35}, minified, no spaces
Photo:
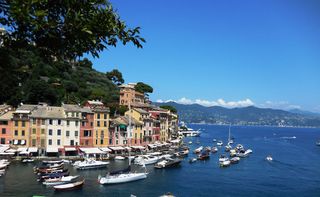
{"x":122,"y":178}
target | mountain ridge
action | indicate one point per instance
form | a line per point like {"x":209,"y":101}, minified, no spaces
{"x":251,"y":115}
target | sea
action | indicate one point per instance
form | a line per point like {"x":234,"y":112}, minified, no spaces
{"x":295,"y":170}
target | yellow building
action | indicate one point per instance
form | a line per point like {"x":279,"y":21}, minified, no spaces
{"x":101,"y":127}
{"x":21,"y":126}
{"x":138,"y":118}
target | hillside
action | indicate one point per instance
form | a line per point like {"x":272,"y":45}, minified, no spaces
{"x":241,"y":116}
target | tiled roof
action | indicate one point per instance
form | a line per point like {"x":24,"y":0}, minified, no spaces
{"x":48,"y":112}
{"x":7,"y":116}
{"x":71,"y":108}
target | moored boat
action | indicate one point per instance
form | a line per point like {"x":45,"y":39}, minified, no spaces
{"x":192,"y":160}
{"x":167,"y":163}
{"x":146,"y":160}
{"x":90,"y":164}
{"x":198,"y":150}
{"x":60,"y":180}
{"x":27,"y":160}
{"x":69,"y":186}
{"x":214,"y":149}
{"x":204,"y":155}
{"x":235,"y":160}
{"x":269,"y":158}
{"x":219,"y":143}
{"x":119,"y":158}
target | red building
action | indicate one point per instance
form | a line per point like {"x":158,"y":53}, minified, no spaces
{"x":6,"y":127}
{"x":86,"y":127}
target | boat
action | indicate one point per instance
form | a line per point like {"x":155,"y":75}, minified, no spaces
{"x":233,"y":152}
{"x":27,"y":160}
{"x":228,"y":148}
{"x":269,"y":158}
{"x":192,"y":160}
{"x":198,"y":150}
{"x":204,"y":155}
{"x":52,"y":176}
{"x":244,"y":153}
{"x":214,"y":140}
{"x":235,"y":160}
{"x":318,"y":143}
{"x":190,"y":142}
{"x":69,"y":186}
{"x":122,"y":178}
{"x":225,"y":163}
{"x":52,"y":172}
{"x":119,"y":158}
{"x":167,"y":163}
{"x":146,"y":160}
{"x":219,"y":143}
{"x":208,"y":148}
{"x":230,"y":140}
{"x":214,"y":149}
{"x":60,"y":180}
{"x":90,"y":164}
{"x":223,"y":158}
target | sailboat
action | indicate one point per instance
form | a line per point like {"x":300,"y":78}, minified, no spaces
{"x":230,"y":141}
{"x":126,"y":175}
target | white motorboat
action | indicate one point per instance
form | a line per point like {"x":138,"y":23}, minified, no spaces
{"x":60,"y":181}
{"x":219,"y":143}
{"x":190,"y":142}
{"x":244,"y":153}
{"x":269,"y":158}
{"x":119,"y":158}
{"x":225,"y":163}
{"x":90,"y":164}
{"x":198,"y":150}
{"x":165,"y":156}
{"x":235,"y":160}
{"x":223,"y":158}
{"x":192,"y":160}
{"x":214,"y":149}
{"x":188,"y":132}
{"x":146,"y":160}
{"x":28,"y":160}
{"x":214,"y":140}
{"x":122,"y":178}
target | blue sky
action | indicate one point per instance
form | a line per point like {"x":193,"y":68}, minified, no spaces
{"x":229,"y":53}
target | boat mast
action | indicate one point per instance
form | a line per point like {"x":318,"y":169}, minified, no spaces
{"x":129,"y":132}
{"x":229,"y":133}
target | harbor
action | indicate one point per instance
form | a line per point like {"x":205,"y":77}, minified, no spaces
{"x":251,"y":175}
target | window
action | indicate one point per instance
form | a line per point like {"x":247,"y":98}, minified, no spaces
{"x":102,"y":133}
{"x":34,"y":131}
{"x":59,"y":132}
{"x":43,"y":121}
{"x":96,"y":142}
{"x":105,"y":116}
{"x":50,"y":142}
{"x":98,"y":116}
{"x":105,"y":123}
{"x":140,"y":135}
{"x":42,"y":143}
{"x":34,"y":121}
{"x":135,"y":135}
{"x":3,"y":131}
{"x":50,"y":131}
{"x":76,"y":133}
{"x":83,"y":123}
{"x":22,"y":133}
{"x":59,"y":122}
{"x":42,"y":131}
{"x":110,"y":141}
{"x":77,"y":123}
{"x":117,"y":142}
{"x":98,"y":123}
{"x":87,"y":133}
{"x":68,"y":122}
{"x":16,"y":123}
{"x":50,"y":122}
{"x":101,"y":141}
{"x":34,"y":142}
{"x":71,"y":142}
{"x":3,"y":141}
{"x":91,"y":124}
{"x":67,"y":133}
{"x":15,"y":132}
{"x":58,"y":142}
{"x":23,"y":123}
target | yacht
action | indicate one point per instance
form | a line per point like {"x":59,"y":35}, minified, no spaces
{"x":90,"y":164}
{"x":146,"y":160}
{"x":269,"y":158}
{"x":122,"y":176}
{"x":188,"y":132}
{"x":167,"y":163}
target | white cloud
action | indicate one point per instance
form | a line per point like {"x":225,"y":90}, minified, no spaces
{"x":285,"y":105}
{"x":207,"y":103}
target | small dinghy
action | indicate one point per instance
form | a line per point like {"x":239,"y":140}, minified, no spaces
{"x":214,"y":149}
{"x":192,"y":160}
{"x":27,"y":160}
{"x":269,"y":158}
{"x":235,"y":160}
{"x":69,"y":186}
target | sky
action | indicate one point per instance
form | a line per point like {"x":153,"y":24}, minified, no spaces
{"x":229,"y":53}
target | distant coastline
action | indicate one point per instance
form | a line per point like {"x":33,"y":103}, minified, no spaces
{"x":275,"y":126}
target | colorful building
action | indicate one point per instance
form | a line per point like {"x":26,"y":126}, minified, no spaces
{"x":6,"y":127}
{"x":86,"y":127}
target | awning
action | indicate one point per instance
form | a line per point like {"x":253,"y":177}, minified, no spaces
{"x":105,"y":149}
{"x":175,"y":141}
{"x":117,"y":148}
{"x":128,"y":148}
{"x":11,"y":151}
{"x":92,"y":151}
{"x":138,"y":147}
{"x":6,"y":153}
{"x":33,"y":149}
{"x":22,"y":149}
{"x":69,"y":149}
{"x":4,"y":148}
{"x":52,"y":150}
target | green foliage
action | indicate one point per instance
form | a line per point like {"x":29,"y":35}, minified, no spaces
{"x":65,"y":29}
{"x":169,"y":107}
{"x":115,"y":76}
{"x":143,"y":88}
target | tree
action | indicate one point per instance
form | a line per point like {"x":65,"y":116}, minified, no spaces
{"x":115,"y":76}
{"x":65,"y":29}
{"x":169,"y":107}
{"x":143,"y":88}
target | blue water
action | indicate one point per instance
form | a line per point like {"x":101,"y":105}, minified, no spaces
{"x":295,"y":170}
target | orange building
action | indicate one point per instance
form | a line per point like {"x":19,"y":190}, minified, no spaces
{"x":128,"y":95}
{"x":6,"y":127}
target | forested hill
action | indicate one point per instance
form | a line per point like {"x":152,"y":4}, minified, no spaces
{"x":241,"y":116}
